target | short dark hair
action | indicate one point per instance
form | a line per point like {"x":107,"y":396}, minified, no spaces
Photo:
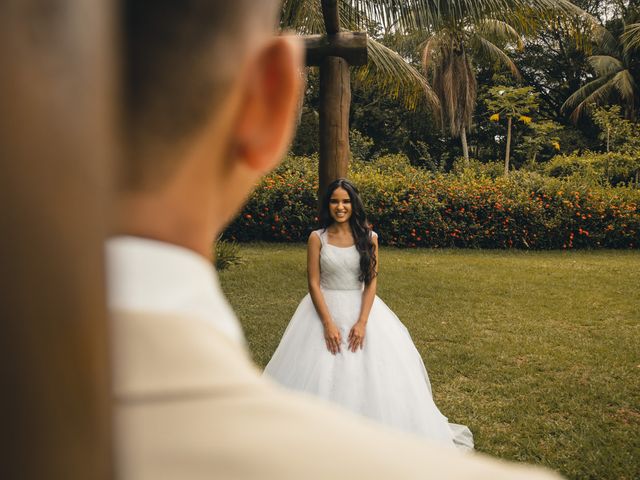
{"x":178,"y":61}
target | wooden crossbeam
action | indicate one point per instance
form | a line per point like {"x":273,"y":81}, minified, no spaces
{"x":352,"y":46}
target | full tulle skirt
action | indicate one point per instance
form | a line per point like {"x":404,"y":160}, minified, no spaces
{"x":385,"y":381}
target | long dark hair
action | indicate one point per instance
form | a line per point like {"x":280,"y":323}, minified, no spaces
{"x":360,"y":227}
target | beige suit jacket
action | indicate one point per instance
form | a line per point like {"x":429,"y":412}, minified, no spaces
{"x":190,"y":405}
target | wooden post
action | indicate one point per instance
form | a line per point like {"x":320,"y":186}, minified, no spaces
{"x":334,"y":53}
{"x":335,"y":101}
{"x":55,"y":142}
{"x":331,"y":16}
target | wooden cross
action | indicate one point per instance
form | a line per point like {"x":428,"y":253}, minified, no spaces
{"x":334,"y":53}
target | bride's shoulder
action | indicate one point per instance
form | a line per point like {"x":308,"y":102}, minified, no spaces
{"x":316,"y":234}
{"x":373,"y":234}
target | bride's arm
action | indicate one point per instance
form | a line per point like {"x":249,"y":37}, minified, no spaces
{"x":356,"y":336}
{"x":331,"y":332}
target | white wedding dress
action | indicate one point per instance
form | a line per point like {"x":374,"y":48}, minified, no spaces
{"x":385,"y":381}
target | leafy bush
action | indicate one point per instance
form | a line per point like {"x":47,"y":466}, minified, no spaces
{"x":411,"y":207}
{"x":226,"y":253}
{"x":613,"y":168}
{"x":478,"y":169}
{"x":360,"y":145}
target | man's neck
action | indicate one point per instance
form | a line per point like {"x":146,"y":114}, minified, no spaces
{"x":158,"y":218}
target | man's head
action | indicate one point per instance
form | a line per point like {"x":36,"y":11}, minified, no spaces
{"x":210,"y":100}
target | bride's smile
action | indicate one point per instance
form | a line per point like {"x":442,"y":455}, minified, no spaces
{"x":340,"y":205}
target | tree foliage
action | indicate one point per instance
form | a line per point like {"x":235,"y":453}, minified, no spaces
{"x":616,"y":70}
{"x":617,"y":133}
{"x":511,"y":102}
{"x":542,"y":134}
{"x":561,"y":43}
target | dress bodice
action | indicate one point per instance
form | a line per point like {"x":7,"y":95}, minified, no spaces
{"x":339,"y":266}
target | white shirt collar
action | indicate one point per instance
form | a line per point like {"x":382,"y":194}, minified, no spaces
{"x":146,"y":275}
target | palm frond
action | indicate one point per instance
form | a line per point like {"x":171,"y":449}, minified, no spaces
{"x":433,"y":48}
{"x":303,"y":16}
{"x":434,"y":14}
{"x":593,"y":92}
{"x":396,"y":77}
{"x":605,"y":39}
{"x":406,"y":44}
{"x":355,"y":16}
{"x":494,"y":29}
{"x":625,"y":85}
{"x":494,"y":53}
{"x":631,"y":37}
{"x":411,"y":15}
{"x":387,"y":13}
{"x":605,"y":64}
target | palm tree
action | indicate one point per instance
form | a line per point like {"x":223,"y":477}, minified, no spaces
{"x":617,"y":70}
{"x":450,"y":53}
{"x":468,"y":32}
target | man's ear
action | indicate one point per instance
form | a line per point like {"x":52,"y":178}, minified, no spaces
{"x":268,"y":110}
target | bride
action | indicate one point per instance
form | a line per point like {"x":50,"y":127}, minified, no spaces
{"x":344,"y":344}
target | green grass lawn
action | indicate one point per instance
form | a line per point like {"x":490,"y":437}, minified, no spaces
{"x":537,"y":352}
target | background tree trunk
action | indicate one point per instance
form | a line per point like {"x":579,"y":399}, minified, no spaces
{"x":508,"y":152}
{"x":465,"y":147}
{"x":56,"y":145}
{"x":335,"y":101}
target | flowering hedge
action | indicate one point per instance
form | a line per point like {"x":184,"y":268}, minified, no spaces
{"x":410,"y":207}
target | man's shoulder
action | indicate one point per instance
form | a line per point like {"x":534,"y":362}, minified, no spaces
{"x":196,"y":406}
{"x":163,"y":354}
{"x":263,"y":432}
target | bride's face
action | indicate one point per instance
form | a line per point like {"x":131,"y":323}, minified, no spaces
{"x":340,"y":205}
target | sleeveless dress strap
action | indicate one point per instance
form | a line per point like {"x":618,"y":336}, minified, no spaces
{"x":321,"y":233}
